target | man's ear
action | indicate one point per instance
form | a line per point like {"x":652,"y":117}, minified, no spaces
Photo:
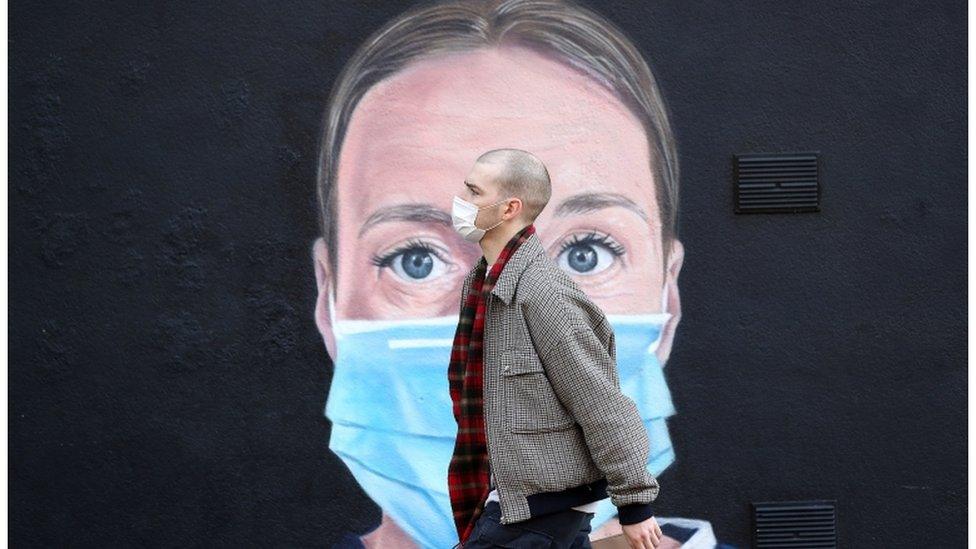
{"x":673,"y":305}
{"x":324,"y":283}
{"x":519,"y":209}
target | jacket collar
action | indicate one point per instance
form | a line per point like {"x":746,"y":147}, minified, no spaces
{"x":512,"y":271}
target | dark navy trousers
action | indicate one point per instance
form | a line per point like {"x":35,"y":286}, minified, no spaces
{"x":569,"y":529}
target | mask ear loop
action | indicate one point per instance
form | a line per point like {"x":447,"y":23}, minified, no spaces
{"x":495,"y":204}
{"x":665,"y":315}
{"x":332,"y":317}
{"x":496,"y":224}
{"x":493,"y":226}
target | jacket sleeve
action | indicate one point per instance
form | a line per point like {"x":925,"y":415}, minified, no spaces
{"x":583,"y":372}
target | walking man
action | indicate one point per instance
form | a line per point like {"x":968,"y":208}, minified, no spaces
{"x":544,"y":431}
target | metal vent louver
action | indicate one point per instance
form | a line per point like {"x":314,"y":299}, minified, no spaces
{"x":794,"y":524}
{"x":776,"y":182}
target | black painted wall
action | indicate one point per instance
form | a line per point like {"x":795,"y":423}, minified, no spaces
{"x":166,"y":378}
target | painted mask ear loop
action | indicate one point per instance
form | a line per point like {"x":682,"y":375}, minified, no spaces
{"x":332,"y":321}
{"x":665,"y":317}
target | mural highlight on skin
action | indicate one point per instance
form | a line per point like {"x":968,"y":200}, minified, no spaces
{"x":415,"y":105}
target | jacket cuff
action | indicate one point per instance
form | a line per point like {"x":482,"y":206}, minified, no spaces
{"x":634,"y":513}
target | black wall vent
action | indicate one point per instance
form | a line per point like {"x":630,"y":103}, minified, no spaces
{"x":794,"y":524}
{"x":777,"y":182}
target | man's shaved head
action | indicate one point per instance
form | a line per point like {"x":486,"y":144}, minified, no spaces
{"x":523,"y":175}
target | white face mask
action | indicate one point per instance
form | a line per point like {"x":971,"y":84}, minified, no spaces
{"x":464,"y":213}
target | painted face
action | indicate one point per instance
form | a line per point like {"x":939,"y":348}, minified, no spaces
{"x":414,"y":136}
{"x":401,"y":257}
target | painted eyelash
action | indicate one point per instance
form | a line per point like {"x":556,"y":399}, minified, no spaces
{"x":385,"y":259}
{"x":615,"y":249}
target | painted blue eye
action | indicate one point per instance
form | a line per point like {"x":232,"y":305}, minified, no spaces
{"x":589,"y":254}
{"x":582,"y":258}
{"x":417,"y":264}
{"x":415,"y":261}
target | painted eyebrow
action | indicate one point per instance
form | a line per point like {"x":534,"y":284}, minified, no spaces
{"x":413,"y":213}
{"x":591,"y":202}
{"x":427,"y":213}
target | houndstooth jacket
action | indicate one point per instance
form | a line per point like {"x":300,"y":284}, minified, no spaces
{"x":560,"y":432}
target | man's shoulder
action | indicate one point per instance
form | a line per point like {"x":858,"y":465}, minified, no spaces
{"x":547,"y":287}
{"x":542,"y":279}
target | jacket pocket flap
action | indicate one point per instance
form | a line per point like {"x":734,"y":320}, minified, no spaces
{"x":520,"y":361}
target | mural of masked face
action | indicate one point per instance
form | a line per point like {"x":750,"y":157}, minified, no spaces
{"x":401,"y":258}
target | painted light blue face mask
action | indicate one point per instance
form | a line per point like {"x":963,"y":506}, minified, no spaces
{"x":392,"y":421}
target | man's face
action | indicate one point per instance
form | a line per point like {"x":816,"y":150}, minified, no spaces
{"x":414,"y":136}
{"x":481,"y":189}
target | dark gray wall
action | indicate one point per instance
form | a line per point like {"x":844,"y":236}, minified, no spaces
{"x":167,"y":381}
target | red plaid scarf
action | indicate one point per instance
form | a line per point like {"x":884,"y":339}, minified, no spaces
{"x":467,"y":476}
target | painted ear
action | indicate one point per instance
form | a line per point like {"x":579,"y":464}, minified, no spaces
{"x":323,"y":283}
{"x":673,"y":304}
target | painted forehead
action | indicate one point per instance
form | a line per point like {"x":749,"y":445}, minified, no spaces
{"x":433,"y":118}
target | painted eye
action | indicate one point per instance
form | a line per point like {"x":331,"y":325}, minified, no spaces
{"x":588,"y":255}
{"x":414,"y":262}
